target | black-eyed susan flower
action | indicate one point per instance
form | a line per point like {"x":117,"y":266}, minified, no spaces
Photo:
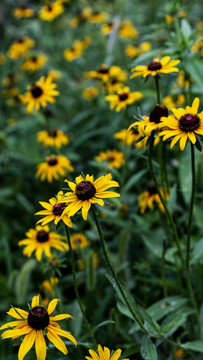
{"x":90,"y":93}
{"x":104,"y":354}
{"x":46,"y":289}
{"x":53,"y":167}
{"x":79,"y":240}
{"x":73,"y":53}
{"x":180,"y":353}
{"x":123,"y":98}
{"x":41,"y":92}
{"x":54,"y":74}
{"x":184,"y":124}
{"x":86,"y":192}
{"x":133,"y":51}
{"x":53,"y":211}
{"x":97,"y":17}
{"x":52,"y":137}
{"x":173,"y":101}
{"x":40,"y":240}
{"x":198,"y":46}
{"x":148,"y":199}
{"x":127,"y":137}
{"x":113,"y":158}
{"x":127,"y":30}
{"x":80,"y":17}
{"x":34,"y":325}
{"x":23,"y":12}
{"x":20,"y":47}
{"x":51,"y":10}
{"x":34,"y":63}
{"x":157,"y":66}
{"x":105,"y":74}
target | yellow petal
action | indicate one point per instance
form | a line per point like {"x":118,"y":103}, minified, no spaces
{"x":183,"y":142}
{"x":40,"y":346}
{"x":61,"y":332}
{"x":61,"y":317}
{"x":52,"y":305}
{"x":18,"y":313}
{"x":116,"y":355}
{"x":56,"y":340}
{"x":195,"y":105}
{"x":26,"y":344}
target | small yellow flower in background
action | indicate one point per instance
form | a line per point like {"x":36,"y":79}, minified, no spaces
{"x":23,"y":12}
{"x":47,"y":288}
{"x":127,"y":30}
{"x":53,"y":167}
{"x":2,"y":59}
{"x":105,"y":74}
{"x":163,"y":66}
{"x":180,"y":353}
{"x":20,"y":47}
{"x":76,"y":50}
{"x":79,"y":240}
{"x":34,"y":63}
{"x":169,"y":19}
{"x":113,"y":158}
{"x":53,"y":137}
{"x":97,"y":17}
{"x":181,"y":82}
{"x":41,"y":240}
{"x":104,"y":354}
{"x":80,"y":17}
{"x":133,"y":51}
{"x":86,"y":192}
{"x":10,"y":92}
{"x":106,"y":29}
{"x":184,"y":124}
{"x":10,"y":79}
{"x":198,"y":46}
{"x":170,"y":102}
{"x":34,"y":325}
{"x":147,"y":199}
{"x":54,"y":74}
{"x":41,"y":92}
{"x":127,"y":137}
{"x":90,"y":93}
{"x":53,"y":211}
{"x":50,"y":11}
{"x":95,"y":262}
{"x":123,"y":98}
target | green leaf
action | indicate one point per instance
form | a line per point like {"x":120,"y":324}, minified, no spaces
{"x":197,"y":252}
{"x":172,"y":199}
{"x":186,"y":29}
{"x":134,"y":179}
{"x":22,"y":281}
{"x":148,"y":350}
{"x":194,"y":68}
{"x":196,"y":345}
{"x":165,"y":306}
{"x":103,"y":323}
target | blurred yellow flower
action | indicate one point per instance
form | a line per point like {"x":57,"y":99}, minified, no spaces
{"x":163,"y":66}
{"x":34,"y":63}
{"x":51,"y":10}
{"x":53,"y":137}
{"x":90,"y":92}
{"x":53,"y":167}
{"x":123,"y":98}
{"x":79,"y":240}
{"x":147,"y":199}
{"x":113,"y":158}
{"x":20,"y":47}
{"x":23,"y":12}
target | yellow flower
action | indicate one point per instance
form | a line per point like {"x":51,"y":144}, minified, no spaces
{"x":41,"y":240}
{"x":123,"y":98}
{"x":133,"y":51}
{"x":50,"y":11}
{"x":90,"y":92}
{"x":107,"y":28}
{"x":105,"y":73}
{"x":180,"y":353}
{"x":2,"y":58}
{"x":53,"y":167}
{"x":78,"y":240}
{"x":39,"y":94}
{"x":149,"y":197}
{"x":34,"y":63}
{"x":127,"y":137}
{"x":73,"y":53}
{"x":198,"y":46}
{"x":10,"y":92}
{"x":53,"y":137}
{"x":104,"y":354}
{"x":184,"y":124}
{"x":163,"y":66}
{"x":54,"y":75}
{"x":54,"y":211}
{"x":114,"y":158}
{"x":86,"y":192}
{"x":127,"y":30}
{"x":169,"y":19}
{"x":35,"y":325}
{"x":171,"y":103}
{"x":20,"y":47}
{"x":80,"y":17}
{"x":46,"y":288}
{"x":23,"y":12}
{"x":97,"y":17}
{"x":10,"y":79}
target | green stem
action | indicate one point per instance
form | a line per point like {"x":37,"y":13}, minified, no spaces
{"x":163,"y":269}
{"x":191,"y":205}
{"x":104,"y":248}
{"x":76,"y":288}
{"x":157,"y":89}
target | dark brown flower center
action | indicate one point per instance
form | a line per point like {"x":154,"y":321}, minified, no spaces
{"x":157,"y":113}
{"x":154,"y":65}
{"x":38,"y":318}
{"x":103,"y":70}
{"x":42,"y":236}
{"x":52,"y":161}
{"x":114,"y":81}
{"x":34,"y":59}
{"x":151,"y":189}
{"x":53,"y":132}
{"x":110,"y":158}
{"x":20,"y":40}
{"x":85,"y":190}
{"x":189,"y":122}
{"x":123,"y":96}
{"x":77,"y":241}
{"x":49,"y":8}
{"x":58,"y":209}
{"x":36,"y":91}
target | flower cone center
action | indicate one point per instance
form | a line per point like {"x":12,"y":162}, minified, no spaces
{"x":34,"y":59}
{"x":154,"y":65}
{"x":189,"y":122}
{"x":85,"y":190}
{"x":42,"y":236}
{"x":58,"y":209}
{"x":38,"y":318}
{"x":103,"y":70}
{"x":52,"y":161}
{"x":123,"y":96}
{"x":151,"y":189}
{"x":110,"y":158}
{"x":158,"y":112}
{"x":36,"y":91}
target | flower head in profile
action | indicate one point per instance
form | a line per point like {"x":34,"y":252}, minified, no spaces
{"x":53,"y":167}
{"x":86,"y":191}
{"x":148,"y":198}
{"x":20,"y":47}
{"x":106,"y":73}
{"x":127,"y":30}
{"x":127,"y":137}
{"x":53,"y":211}
{"x":79,"y":240}
{"x":123,"y":98}
{"x":104,"y":354}
{"x":80,"y":17}
{"x":41,"y":240}
{"x":34,"y":63}
{"x":46,"y":289}
{"x":133,"y":51}
{"x":97,"y":17}
{"x":163,"y":66}
{"x":113,"y":158}
{"x":23,"y":12}
{"x":184,"y":124}
{"x":51,"y":10}
{"x":34,"y":326}
{"x":53,"y":137}
{"x":90,"y":93}
{"x":41,"y":92}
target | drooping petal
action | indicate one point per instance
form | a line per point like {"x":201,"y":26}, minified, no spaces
{"x":56,"y":340}
{"x":63,"y":333}
{"x":85,"y":209}
{"x":26,"y":344}
{"x":18,"y":313}
{"x":52,"y":305}
{"x":40,"y":346}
